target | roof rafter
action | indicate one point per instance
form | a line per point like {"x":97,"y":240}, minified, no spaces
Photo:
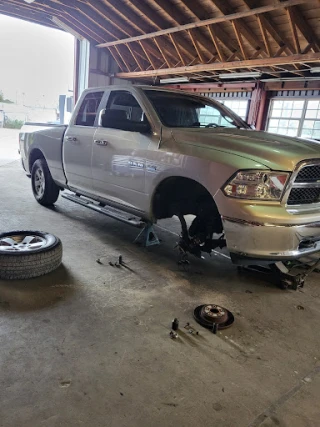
{"x":293,"y":27}
{"x":225,"y":18}
{"x":154,"y":19}
{"x":176,"y":16}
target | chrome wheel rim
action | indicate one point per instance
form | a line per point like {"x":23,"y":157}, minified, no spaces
{"x":39,"y":182}
{"x":22,"y":243}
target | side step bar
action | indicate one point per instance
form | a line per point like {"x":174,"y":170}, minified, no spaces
{"x":108,"y":211}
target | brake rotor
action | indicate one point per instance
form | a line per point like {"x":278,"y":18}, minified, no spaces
{"x":210,"y":314}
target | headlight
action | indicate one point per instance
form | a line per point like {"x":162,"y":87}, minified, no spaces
{"x":257,"y":185}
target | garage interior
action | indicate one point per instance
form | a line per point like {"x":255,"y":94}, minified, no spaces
{"x":89,"y":344}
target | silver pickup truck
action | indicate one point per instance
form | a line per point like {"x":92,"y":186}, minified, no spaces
{"x":157,"y":153}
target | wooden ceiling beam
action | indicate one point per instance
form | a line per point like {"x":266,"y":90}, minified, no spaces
{"x":215,"y":41}
{"x":218,"y":66}
{"x":176,"y":46}
{"x":115,"y":57}
{"x":89,"y":15}
{"x":176,"y":16}
{"x":242,"y":28}
{"x":270,"y":27}
{"x":236,"y":29}
{"x":29,"y":14}
{"x":292,"y":23}
{"x":149,"y":15}
{"x":194,"y":41}
{"x":153,"y":64}
{"x":264,"y":36}
{"x":75,"y":19}
{"x":136,"y":58}
{"x":106,"y":10}
{"x":122,"y":58}
{"x":198,"y":24}
{"x":199,"y":14}
{"x":304,"y":28}
{"x":158,"y":44}
{"x":114,"y":32}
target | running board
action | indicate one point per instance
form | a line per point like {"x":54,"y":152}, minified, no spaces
{"x":108,"y":211}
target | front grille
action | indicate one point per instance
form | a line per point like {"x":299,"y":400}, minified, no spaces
{"x":304,"y":196}
{"x":309,"y":177}
{"x":309,"y":174}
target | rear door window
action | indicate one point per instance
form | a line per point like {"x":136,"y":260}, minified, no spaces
{"x":88,"y":110}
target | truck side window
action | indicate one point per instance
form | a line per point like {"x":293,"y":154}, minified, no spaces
{"x":88,"y":109}
{"x":122,"y":107}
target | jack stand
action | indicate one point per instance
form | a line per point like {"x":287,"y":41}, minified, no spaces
{"x":147,"y":237}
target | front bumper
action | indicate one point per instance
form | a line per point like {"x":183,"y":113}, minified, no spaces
{"x":270,"y":242}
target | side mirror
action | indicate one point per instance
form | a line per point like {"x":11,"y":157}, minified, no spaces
{"x":101,"y":118}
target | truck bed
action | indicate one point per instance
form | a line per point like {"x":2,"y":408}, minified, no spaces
{"x":48,"y":139}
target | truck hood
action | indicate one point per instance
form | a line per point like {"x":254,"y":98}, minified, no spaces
{"x":277,"y":152}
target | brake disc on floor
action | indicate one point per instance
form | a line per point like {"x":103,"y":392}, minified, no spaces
{"x":209,"y":315}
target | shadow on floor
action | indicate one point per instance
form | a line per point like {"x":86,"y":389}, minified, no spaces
{"x":37,"y":293}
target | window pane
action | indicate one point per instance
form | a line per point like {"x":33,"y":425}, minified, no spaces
{"x":88,"y":109}
{"x":306,"y":133}
{"x":311,"y":114}
{"x":283,"y":123}
{"x":317,"y":124}
{"x":293,"y":124}
{"x":296,"y":114}
{"x":298,"y":105}
{"x":274,"y":123}
{"x":308,"y":124}
{"x":286,"y":113}
{"x":276,"y":113}
{"x":277,"y":104}
{"x":313,"y":105}
{"x":238,"y":106}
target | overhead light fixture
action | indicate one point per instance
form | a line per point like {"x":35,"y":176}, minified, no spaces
{"x":253,"y":74}
{"x":29,"y":1}
{"x":175,"y":80}
{"x":66,"y":28}
{"x":315,"y":70}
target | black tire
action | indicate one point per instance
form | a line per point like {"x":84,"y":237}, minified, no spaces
{"x":27,"y":260}
{"x":45,"y":190}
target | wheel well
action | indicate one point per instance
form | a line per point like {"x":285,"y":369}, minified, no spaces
{"x":179,"y":195}
{"x":35,"y":155}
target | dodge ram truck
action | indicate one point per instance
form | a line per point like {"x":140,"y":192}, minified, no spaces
{"x":154,"y":153}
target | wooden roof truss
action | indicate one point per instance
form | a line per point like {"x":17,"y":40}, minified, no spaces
{"x":195,"y":38}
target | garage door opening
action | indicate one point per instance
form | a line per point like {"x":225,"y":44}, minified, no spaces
{"x":37,"y":67}
{"x":36,"y":79}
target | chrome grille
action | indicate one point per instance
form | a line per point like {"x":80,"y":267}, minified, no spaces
{"x":304,"y":196}
{"x":306,"y":186}
{"x":309,"y":174}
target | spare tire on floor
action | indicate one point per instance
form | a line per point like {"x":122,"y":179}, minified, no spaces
{"x":27,"y":254}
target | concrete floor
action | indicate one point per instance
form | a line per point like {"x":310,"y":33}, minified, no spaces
{"x":88,"y":345}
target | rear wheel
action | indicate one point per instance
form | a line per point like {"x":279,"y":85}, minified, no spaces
{"x":45,"y":190}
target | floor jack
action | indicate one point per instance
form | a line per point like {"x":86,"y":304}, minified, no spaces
{"x":281,"y":274}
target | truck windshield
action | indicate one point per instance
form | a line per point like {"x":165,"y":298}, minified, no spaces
{"x":182,"y":110}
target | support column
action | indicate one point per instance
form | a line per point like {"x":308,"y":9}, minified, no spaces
{"x":258,"y":107}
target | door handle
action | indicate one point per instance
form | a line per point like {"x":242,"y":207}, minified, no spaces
{"x":71,"y":139}
{"x":100,"y":142}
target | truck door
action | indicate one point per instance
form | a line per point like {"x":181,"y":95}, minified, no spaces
{"x":78,"y":140}
{"x":119,"y":154}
